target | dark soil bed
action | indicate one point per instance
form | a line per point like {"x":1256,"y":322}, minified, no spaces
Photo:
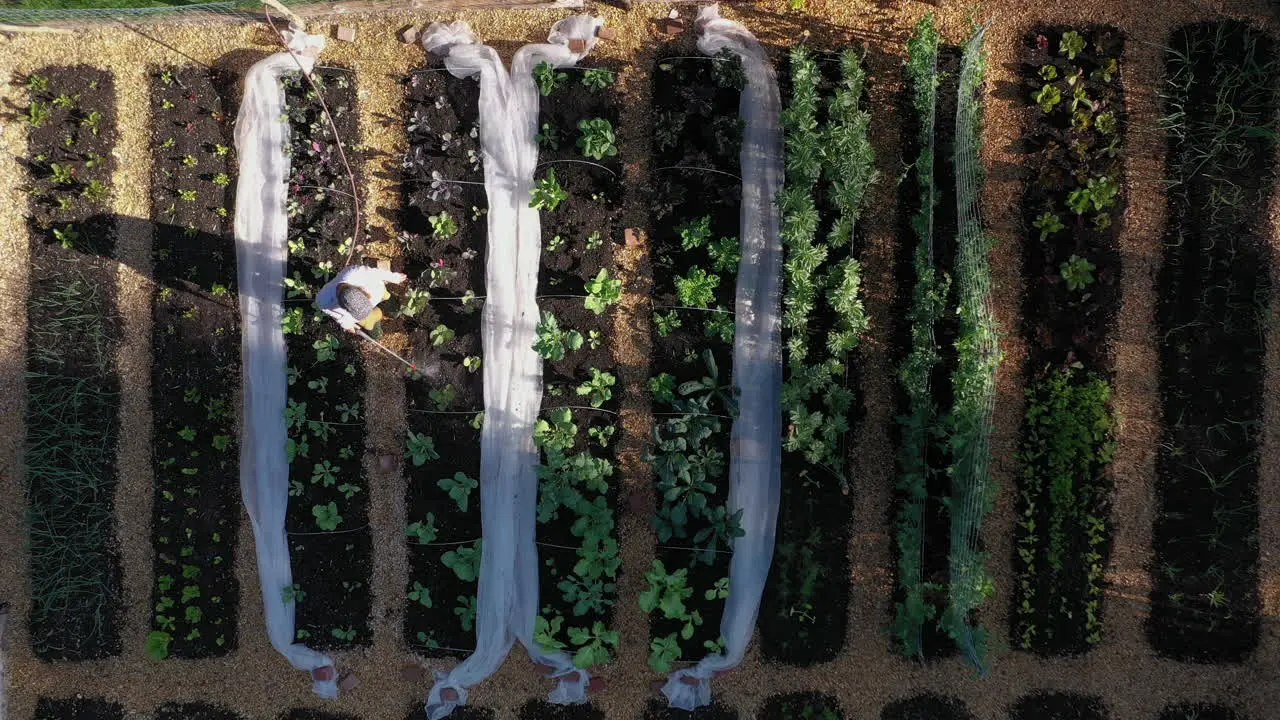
{"x":577,"y":531}
{"x":194,"y":711}
{"x":331,"y":565}
{"x":78,"y":709}
{"x":696,"y":159}
{"x":1214,"y":287}
{"x":445,"y":259}
{"x":462,"y":712}
{"x":1058,"y":706}
{"x":801,"y":706}
{"x":195,"y":367}
{"x":926,"y":707}
{"x":73,"y":329}
{"x":1061,"y":547}
{"x":1199,"y":711}
{"x":543,"y":710}
{"x":659,"y":710}
{"x":308,"y":714}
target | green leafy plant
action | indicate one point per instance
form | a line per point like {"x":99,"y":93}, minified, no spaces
{"x":553,"y":342}
{"x":697,"y":289}
{"x":597,"y":78}
{"x":443,"y":397}
{"x":157,"y":645}
{"x":602,"y":291}
{"x":420,"y":595}
{"x":464,"y":561}
{"x":548,"y":78}
{"x":666,"y":323}
{"x":1048,"y":224}
{"x":597,"y":140}
{"x":597,"y":390}
{"x":471,"y":363}
{"x":547,"y":193}
{"x":459,"y":488}
{"x":443,"y":225}
{"x":327,"y":517}
{"x":425,"y":532}
{"x":1072,"y":44}
{"x":420,"y":448}
{"x":549,"y":137}
{"x":1047,"y":97}
{"x":38,"y":114}
{"x":1077,"y":272}
{"x":441,"y":334}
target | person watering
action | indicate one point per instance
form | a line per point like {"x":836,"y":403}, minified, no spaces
{"x":351,"y":298}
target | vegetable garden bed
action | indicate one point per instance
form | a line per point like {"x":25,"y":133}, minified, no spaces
{"x":444,"y":225}
{"x":73,"y":330}
{"x":1073,"y":207}
{"x":1058,"y":706}
{"x":328,"y":509}
{"x":1213,"y":284}
{"x":694,"y":250}
{"x":578,"y":194}
{"x":196,"y":356}
{"x":926,"y":707}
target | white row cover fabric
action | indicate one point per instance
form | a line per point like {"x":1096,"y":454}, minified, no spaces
{"x":507,"y":592}
{"x":755,"y":464}
{"x":261,"y":228}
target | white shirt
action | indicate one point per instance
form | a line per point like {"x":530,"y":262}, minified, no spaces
{"x":371,"y":280}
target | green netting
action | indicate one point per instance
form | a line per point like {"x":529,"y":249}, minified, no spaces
{"x":973,"y":382}
{"x":928,"y":303}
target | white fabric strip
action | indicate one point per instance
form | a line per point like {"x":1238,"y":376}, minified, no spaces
{"x":261,"y":229}
{"x":507,"y":592}
{"x":755,"y":466}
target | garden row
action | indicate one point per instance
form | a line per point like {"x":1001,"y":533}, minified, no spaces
{"x":809,"y":706}
{"x":830,"y":167}
{"x":948,"y":374}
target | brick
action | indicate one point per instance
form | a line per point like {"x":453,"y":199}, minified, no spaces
{"x":409,"y":35}
{"x":348,"y":683}
{"x":606,"y":33}
{"x":577,"y":45}
{"x":345,"y":34}
{"x":387,"y":463}
{"x":384,"y":264}
{"x":632,"y":237}
{"x":324,"y":674}
{"x":673,"y":27}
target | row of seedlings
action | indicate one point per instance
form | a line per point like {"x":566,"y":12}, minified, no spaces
{"x":195,"y":349}
{"x":1074,"y":204}
{"x":1214,"y":290}
{"x":697,"y":137}
{"x":73,"y":389}
{"x":443,"y":222}
{"x":921,"y":524}
{"x":327,"y":518}
{"x":946,"y":456}
{"x":578,"y":193}
{"x":830,"y":166}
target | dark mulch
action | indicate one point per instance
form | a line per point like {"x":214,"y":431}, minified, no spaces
{"x":1199,"y":711}
{"x":194,"y":711}
{"x":196,"y":363}
{"x":926,"y":707}
{"x":332,"y":567}
{"x":78,"y":709}
{"x":71,"y":135}
{"x":1058,"y":706}
{"x":659,"y":710}
{"x":802,"y":706}
{"x":543,"y":710}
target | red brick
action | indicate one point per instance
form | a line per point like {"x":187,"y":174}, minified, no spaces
{"x":324,"y":674}
{"x":577,"y":45}
{"x":632,"y":237}
{"x":348,"y":683}
{"x":346,"y":34}
{"x":606,"y":33}
{"x":413,"y":674}
{"x":387,"y":463}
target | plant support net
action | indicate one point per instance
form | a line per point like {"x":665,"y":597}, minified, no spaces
{"x":755,"y":465}
{"x":507,"y":592}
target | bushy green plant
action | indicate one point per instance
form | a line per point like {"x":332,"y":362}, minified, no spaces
{"x":547,"y":193}
{"x":553,"y":342}
{"x":548,"y":78}
{"x":697,"y":288}
{"x":602,"y":291}
{"x":597,"y":140}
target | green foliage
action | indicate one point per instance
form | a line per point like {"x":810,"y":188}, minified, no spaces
{"x":548,"y":78}
{"x":443,"y":225}
{"x":695,"y":233}
{"x":1047,"y":97}
{"x":597,"y":78}
{"x":1067,"y":444}
{"x":547,"y":193}
{"x":157,"y":645}
{"x":549,"y":137}
{"x":597,"y":140}
{"x":425,"y":532}
{"x":1048,"y":224}
{"x":459,"y":488}
{"x":594,"y":645}
{"x":420,"y":448}
{"x":1072,"y":44}
{"x":554,"y":342}
{"x":697,"y":289}
{"x":1077,"y":272}
{"x":464,"y":561}
{"x":597,"y":390}
{"x":602,"y":291}
{"x":327,"y":517}
{"x":441,"y":334}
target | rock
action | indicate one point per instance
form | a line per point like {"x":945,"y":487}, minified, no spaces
{"x":674,"y":14}
{"x":577,"y":46}
{"x":632,"y":237}
{"x":409,"y":35}
{"x":324,"y":674}
{"x":346,"y":34}
{"x":384,"y":264}
{"x":606,"y":33}
{"x":348,"y":683}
